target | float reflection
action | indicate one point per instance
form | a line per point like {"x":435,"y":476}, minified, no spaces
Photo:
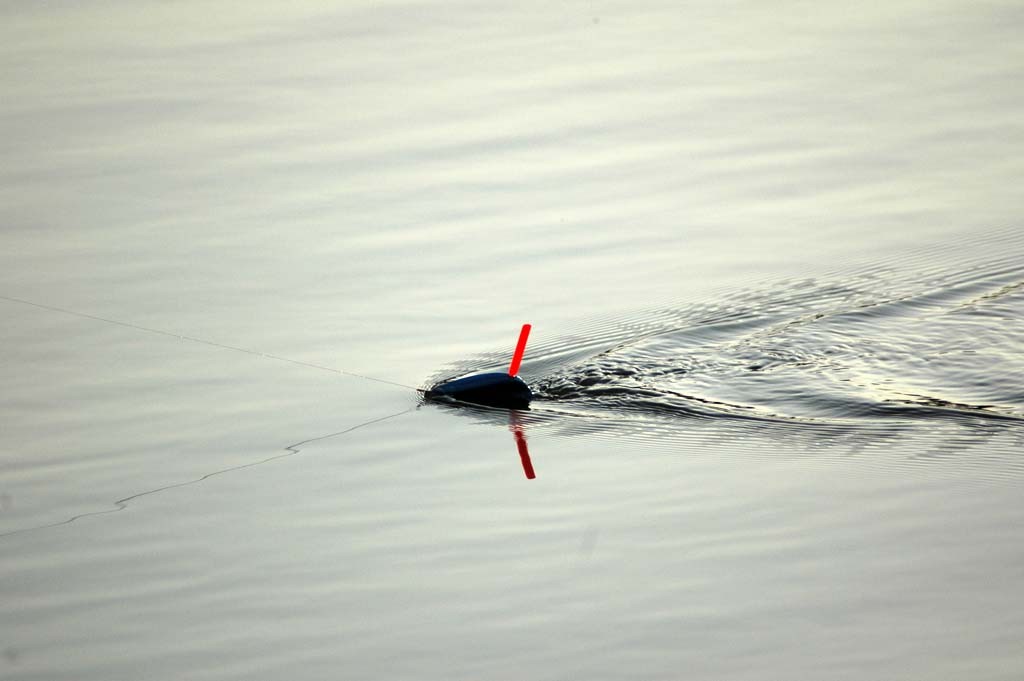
{"x":515,"y":424}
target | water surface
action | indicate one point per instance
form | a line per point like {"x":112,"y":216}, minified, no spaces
{"x":772,"y":256}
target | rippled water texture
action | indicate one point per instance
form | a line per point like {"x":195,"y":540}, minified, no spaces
{"x":773,"y":255}
{"x":867,"y":348}
{"x":882,"y":352}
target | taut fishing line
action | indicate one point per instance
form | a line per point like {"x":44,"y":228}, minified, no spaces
{"x":202,"y":341}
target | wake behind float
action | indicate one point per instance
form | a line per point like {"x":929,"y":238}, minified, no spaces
{"x":507,"y":390}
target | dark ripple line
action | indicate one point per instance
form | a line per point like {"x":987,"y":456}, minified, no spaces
{"x":122,"y":504}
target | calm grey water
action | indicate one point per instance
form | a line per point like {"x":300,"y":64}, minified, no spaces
{"x":774,"y":260}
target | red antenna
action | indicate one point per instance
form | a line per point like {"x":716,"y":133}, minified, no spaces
{"x":517,"y":356}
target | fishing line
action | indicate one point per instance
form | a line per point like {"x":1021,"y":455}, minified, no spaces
{"x":290,"y":450}
{"x":202,"y":341}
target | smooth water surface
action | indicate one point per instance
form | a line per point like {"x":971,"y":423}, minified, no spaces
{"x":774,"y":260}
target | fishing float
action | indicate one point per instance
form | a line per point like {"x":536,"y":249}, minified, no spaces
{"x":495,"y":389}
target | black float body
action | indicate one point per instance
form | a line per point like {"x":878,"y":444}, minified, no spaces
{"x":492,"y":390}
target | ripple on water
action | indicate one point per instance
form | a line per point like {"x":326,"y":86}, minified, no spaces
{"x":880,"y":353}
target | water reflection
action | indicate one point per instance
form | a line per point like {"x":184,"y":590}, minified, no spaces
{"x":515,"y":424}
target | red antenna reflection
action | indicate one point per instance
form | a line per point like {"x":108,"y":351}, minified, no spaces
{"x":516,"y":426}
